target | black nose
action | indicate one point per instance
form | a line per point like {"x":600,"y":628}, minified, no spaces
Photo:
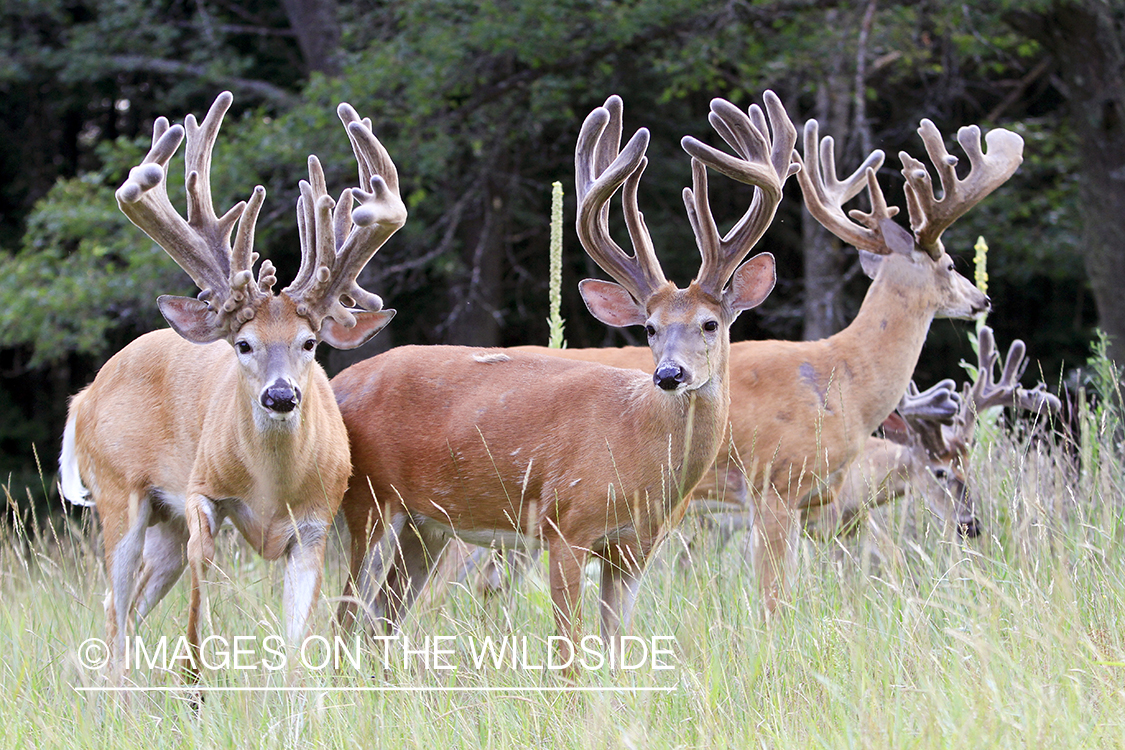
{"x":668,"y":376}
{"x":970,"y":530}
{"x":281,"y":397}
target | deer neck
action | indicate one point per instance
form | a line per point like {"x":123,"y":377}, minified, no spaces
{"x":274,"y":449}
{"x":881,"y":346}
{"x":697,"y":421}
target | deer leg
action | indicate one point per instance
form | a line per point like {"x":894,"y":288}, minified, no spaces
{"x":365,"y":530}
{"x":417,"y":550}
{"x":304,"y":570}
{"x":566,"y":564}
{"x":123,"y":560}
{"x":373,"y":569}
{"x":165,"y":557}
{"x":621,"y":577}
{"x":773,"y":548}
{"x":202,"y":523}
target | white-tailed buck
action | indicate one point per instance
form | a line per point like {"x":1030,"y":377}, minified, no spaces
{"x":801,"y":411}
{"x":228,"y":415}
{"x":508,"y":448}
{"x":927,"y":447}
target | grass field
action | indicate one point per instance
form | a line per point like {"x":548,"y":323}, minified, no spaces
{"x":897,"y":638}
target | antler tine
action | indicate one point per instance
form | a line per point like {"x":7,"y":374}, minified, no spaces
{"x":927,"y":412}
{"x":761,"y":161}
{"x":987,"y":392}
{"x":929,"y":216}
{"x":336,"y":245}
{"x":1037,"y":400}
{"x":938,"y":403}
{"x":599,"y":171}
{"x":825,"y":195}
{"x":201,"y":244}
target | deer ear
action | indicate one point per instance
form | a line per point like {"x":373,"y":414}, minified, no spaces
{"x":897,"y":239}
{"x":189,"y":318}
{"x":611,"y":303}
{"x":367,"y":324}
{"x":752,"y":282}
{"x":870,"y":263}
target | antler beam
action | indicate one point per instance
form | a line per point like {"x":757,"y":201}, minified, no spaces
{"x":760,"y":160}
{"x":201,"y":244}
{"x":337,"y":241}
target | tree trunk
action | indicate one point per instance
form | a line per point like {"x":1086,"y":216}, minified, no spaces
{"x":478,"y":299}
{"x":317,"y":27}
{"x":824,"y":259}
{"x":1086,"y":41}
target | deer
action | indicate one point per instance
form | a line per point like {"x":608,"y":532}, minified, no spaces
{"x":227,"y":415}
{"x":802,"y":411}
{"x":927,"y":447}
{"x":520,"y":450}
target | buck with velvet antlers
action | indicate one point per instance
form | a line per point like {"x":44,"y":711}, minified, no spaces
{"x":802,"y":411}
{"x":508,"y":448}
{"x":228,"y":415}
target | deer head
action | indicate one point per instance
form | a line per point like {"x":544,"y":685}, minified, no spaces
{"x":274,"y":337}
{"x":919,"y":258}
{"x":688,"y":329}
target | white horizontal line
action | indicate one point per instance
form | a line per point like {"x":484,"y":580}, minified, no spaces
{"x":359,"y":689}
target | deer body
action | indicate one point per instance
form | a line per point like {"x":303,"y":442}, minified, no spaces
{"x":508,"y":446}
{"x":228,"y":415}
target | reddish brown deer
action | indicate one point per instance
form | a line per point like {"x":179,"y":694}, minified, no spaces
{"x":803,"y":410}
{"x":228,"y":415}
{"x":516,"y":449}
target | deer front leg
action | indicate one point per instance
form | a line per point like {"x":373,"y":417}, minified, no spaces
{"x":566,"y":563}
{"x":202,"y":522}
{"x":621,"y":576}
{"x":773,"y":547}
{"x":304,"y":570}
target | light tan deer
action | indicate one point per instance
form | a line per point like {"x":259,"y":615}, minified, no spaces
{"x":516,"y":449}
{"x":928,"y":447}
{"x":803,"y":410}
{"x":228,"y":415}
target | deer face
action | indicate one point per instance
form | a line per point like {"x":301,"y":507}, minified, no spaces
{"x":276,"y":351}
{"x":948,"y":496}
{"x":686,"y":331}
{"x":957,"y":296}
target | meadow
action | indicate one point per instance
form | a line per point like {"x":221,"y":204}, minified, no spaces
{"x":897,"y":637}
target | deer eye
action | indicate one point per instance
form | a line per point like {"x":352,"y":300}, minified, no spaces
{"x":243,"y":347}
{"x":309,"y":345}
{"x":711,"y":326}
{"x":650,"y":329}
{"x":940,"y":473}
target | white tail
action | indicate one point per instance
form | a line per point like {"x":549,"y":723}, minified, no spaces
{"x":510,"y":448}
{"x":229,"y":415}
{"x":802,"y":411}
{"x":70,"y":481}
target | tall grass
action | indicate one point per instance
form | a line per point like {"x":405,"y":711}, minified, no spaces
{"x":900,"y":637}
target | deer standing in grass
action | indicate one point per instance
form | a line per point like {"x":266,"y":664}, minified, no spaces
{"x":228,"y":415}
{"x":507,"y":448}
{"x":803,"y":410}
{"x":928,"y":443}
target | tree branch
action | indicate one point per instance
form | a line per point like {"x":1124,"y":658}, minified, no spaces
{"x":142,"y":64}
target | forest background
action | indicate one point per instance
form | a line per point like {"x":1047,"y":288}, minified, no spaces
{"x":479,"y":104}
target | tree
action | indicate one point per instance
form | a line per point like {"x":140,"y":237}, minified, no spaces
{"x":1086,"y":39}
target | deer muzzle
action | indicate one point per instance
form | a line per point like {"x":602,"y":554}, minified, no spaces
{"x":669,"y":376}
{"x":281,"y":397}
